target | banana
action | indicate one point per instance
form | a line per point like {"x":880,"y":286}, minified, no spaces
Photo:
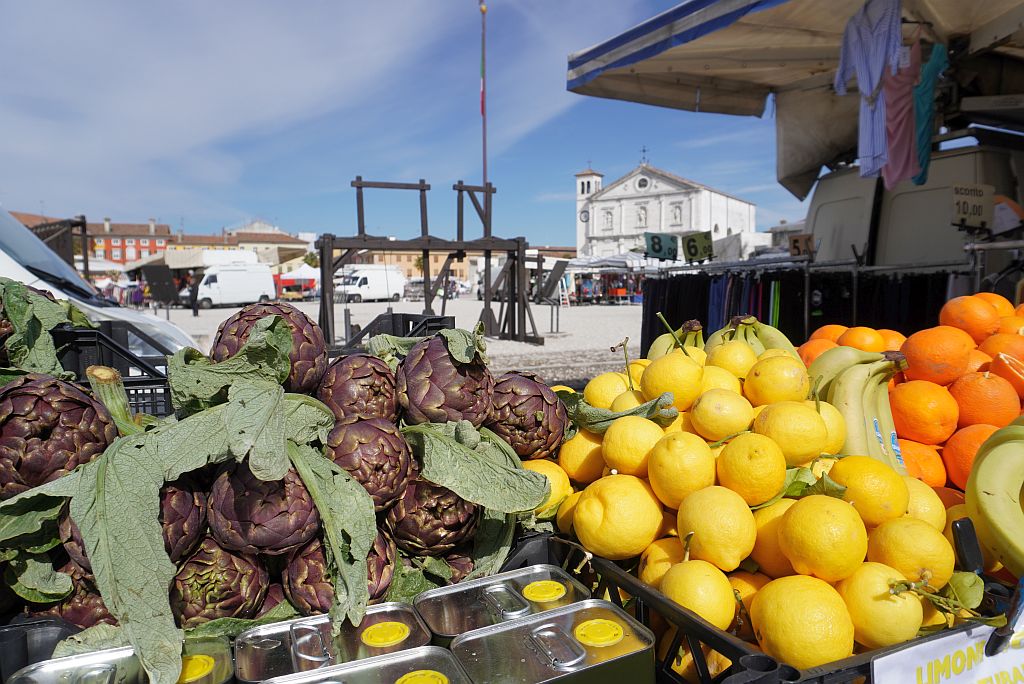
{"x":747,"y":333}
{"x":772,"y":338}
{"x":662,"y":345}
{"x":891,"y":445}
{"x":993,"y":496}
{"x":697,"y":330}
{"x":831,"y":363}
{"x":720,"y":336}
{"x":878,"y":416}
{"x":846,"y":393}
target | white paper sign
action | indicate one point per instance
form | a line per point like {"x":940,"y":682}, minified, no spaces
{"x":954,"y":659}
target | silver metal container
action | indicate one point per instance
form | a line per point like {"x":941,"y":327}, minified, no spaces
{"x":590,"y":641}
{"x":205,"y":661}
{"x":305,"y":644}
{"x":460,"y":608}
{"x":424,"y":665}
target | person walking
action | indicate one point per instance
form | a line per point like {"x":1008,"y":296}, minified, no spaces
{"x":194,"y":294}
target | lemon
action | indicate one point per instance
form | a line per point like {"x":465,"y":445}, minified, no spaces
{"x":669,"y":523}
{"x":877,"y":491}
{"x":683,"y":664}
{"x":627,"y":400}
{"x":718,"y":413}
{"x":772,"y":353}
{"x":636,"y":370}
{"x":798,"y":430}
{"x":617,"y":517}
{"x":676,"y":373}
{"x":628,"y":442}
{"x":602,"y":389}
{"x":767,"y":553}
{"x":745,"y":584}
{"x":719,"y":378}
{"x":560,"y":487}
{"x":658,"y":558}
{"x":823,"y":465}
{"x":696,"y":353}
{"x":777,"y":378}
{"x":956,"y":512}
{"x":824,"y":537}
{"x":913,"y":547}
{"x":581,"y":457}
{"x":703,"y":588}
{"x":682,"y":423}
{"x":802,"y":621}
{"x":880,"y":618}
{"x":722,"y":525}
{"x":835,"y":425}
{"x":933,"y":616}
{"x":562,"y":388}
{"x":680,"y":464}
{"x":924,"y":503}
{"x":563,"y":518}
{"x":752,"y":466}
{"x":735,"y":356}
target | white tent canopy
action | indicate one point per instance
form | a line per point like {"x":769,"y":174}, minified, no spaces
{"x":303,"y":272}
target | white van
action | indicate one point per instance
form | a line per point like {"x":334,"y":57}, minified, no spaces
{"x":234,"y":284}
{"x":368,"y":284}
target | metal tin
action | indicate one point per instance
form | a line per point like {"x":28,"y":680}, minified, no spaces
{"x":430,"y":663}
{"x":304,"y":644}
{"x":460,"y":608}
{"x":592,"y":641}
{"x":120,"y":666}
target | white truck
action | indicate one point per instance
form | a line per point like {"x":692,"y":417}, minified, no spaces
{"x":233,"y":284}
{"x":369,"y":282}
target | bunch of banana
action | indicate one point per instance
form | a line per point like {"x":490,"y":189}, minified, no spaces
{"x":690,"y":334}
{"x":856,"y":383}
{"x":993,"y":496}
{"x":760,"y":336}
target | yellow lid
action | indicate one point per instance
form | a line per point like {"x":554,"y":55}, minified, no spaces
{"x":598,"y":633}
{"x":385,"y":634}
{"x":194,"y":668}
{"x":422,"y":677}
{"x":543,"y":591}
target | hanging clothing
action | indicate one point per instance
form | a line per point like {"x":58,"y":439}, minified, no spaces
{"x":871,"y":42}
{"x":900,"y":128}
{"x":924,"y":108}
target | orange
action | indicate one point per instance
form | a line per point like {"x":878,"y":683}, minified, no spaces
{"x":978,"y":360}
{"x":938,"y":354}
{"x":1011,"y":324}
{"x":1000,"y":303}
{"x":973,"y":315}
{"x":865,"y":339}
{"x":1009,"y":368}
{"x":985,"y":398}
{"x":1019,"y":311}
{"x":950,"y":497}
{"x":893,"y":340}
{"x":960,"y":450}
{"x":813,"y":348}
{"x":923,"y":462}
{"x":924,"y":412}
{"x":829,"y":332}
{"x":1004,"y":343}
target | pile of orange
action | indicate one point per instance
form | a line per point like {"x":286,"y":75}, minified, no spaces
{"x":964,"y":381}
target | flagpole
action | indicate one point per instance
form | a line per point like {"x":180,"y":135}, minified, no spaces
{"x":483,"y":82}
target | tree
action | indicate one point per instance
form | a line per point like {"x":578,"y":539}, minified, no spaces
{"x":418,"y":264}
{"x":313,"y":259}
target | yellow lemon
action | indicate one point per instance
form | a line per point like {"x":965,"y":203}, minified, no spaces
{"x":745,"y":584}
{"x":668,"y":523}
{"x":802,"y":621}
{"x":877,"y":491}
{"x":824,"y":537}
{"x":823,"y":465}
{"x":722,"y":525}
{"x":798,"y":430}
{"x":696,"y":353}
{"x":560,"y":487}
{"x":772,"y":353}
{"x":617,"y":517}
{"x":719,"y":378}
{"x":628,"y":442}
{"x":956,"y":512}
{"x":680,"y":464}
{"x":602,"y":389}
{"x":676,"y":373}
{"x":835,"y":425}
{"x":767,"y":553}
{"x":753,"y":466}
{"x":777,"y":378}
{"x":880,"y":618}
{"x":636,"y":370}
{"x":581,"y":457}
{"x":735,"y":356}
{"x":718,"y":413}
{"x":924,"y":503}
{"x":683,"y":664}
{"x":682,"y":423}
{"x":627,"y":400}
{"x":562,"y":388}
{"x":658,"y":558}
{"x":933,"y":616}
{"x":703,"y":588}
{"x":563,"y":518}
{"x":913,"y":547}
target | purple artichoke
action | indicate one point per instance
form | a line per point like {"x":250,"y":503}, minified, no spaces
{"x":84,"y":606}
{"x":216,"y":583}
{"x":309,"y":350}
{"x":251,"y":516}
{"x":275,"y":594}
{"x":528,"y":415}
{"x":307,"y":581}
{"x":376,"y":454}
{"x":359,"y":385}
{"x":430,"y":520}
{"x":460,"y":563}
{"x":435,"y":388}
{"x":48,"y":427}
{"x":380,"y":565}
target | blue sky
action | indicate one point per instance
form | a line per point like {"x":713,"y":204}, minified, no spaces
{"x":205,"y":115}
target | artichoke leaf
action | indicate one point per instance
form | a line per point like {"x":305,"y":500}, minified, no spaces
{"x":256,"y":409}
{"x":408,"y":583}
{"x":597,"y":420}
{"x":95,"y":638}
{"x":232,"y":627}
{"x":390,"y":348}
{"x":306,"y":419}
{"x":33,"y":578}
{"x":32,"y":316}
{"x":466,"y":345}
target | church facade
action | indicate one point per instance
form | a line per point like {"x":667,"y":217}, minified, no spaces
{"x":612,"y":219}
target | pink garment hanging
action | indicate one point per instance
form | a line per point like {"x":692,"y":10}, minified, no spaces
{"x":900,"y":129}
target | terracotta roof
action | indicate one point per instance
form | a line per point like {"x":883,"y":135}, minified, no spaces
{"x":30,"y":220}
{"x":269,"y":238}
{"x":188,"y":239}
{"x":98,"y":229}
{"x":590,"y":172}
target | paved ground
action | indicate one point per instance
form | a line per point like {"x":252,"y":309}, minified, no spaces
{"x":579,"y":351}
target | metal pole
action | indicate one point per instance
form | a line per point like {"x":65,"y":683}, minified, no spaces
{"x":483,"y":83}
{"x":85,"y":245}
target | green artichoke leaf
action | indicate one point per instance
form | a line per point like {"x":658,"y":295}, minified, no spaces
{"x":390,"y":348}
{"x":232,"y":627}
{"x":472,"y":475}
{"x":198,"y":383}
{"x":592,"y":419}
{"x":256,"y":409}
{"x":435,"y":567}
{"x":306,"y":419}
{"x":493,"y":539}
{"x":25,"y":516}
{"x":8,"y":374}
{"x":30,"y":346}
{"x":95,"y":638}
{"x":408,"y":583}
{"x":33,"y":578}
{"x":466,"y":345}
{"x":350,"y":528}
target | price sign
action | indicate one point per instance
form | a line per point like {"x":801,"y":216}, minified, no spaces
{"x":698,"y":246}
{"x":661,"y":246}
{"x":957,"y":658}
{"x":801,"y":244}
{"x":973,"y":205}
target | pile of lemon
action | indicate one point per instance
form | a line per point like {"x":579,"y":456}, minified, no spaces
{"x":814,"y":585}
